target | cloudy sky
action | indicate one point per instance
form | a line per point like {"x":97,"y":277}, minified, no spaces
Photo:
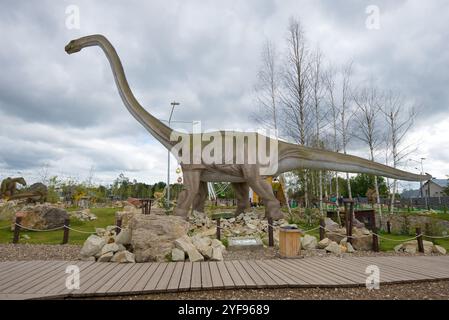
{"x":62,"y":115}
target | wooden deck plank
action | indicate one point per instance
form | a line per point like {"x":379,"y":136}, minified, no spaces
{"x":332,"y":272}
{"x":268,"y":279}
{"x":249,"y":282}
{"x":13,"y":267}
{"x":336,"y":267}
{"x":139,"y":273}
{"x":225,"y":276}
{"x":31,"y":280}
{"x":44,"y":279}
{"x":196,"y":276}
{"x":100,"y":276}
{"x":313,"y":276}
{"x":258,"y":280}
{"x":217,"y":282}
{"x":299,"y":279}
{"x":236,"y":278}
{"x":206,"y":278}
{"x":125,"y":279}
{"x":289,"y":281}
{"x":424,"y":269}
{"x":60,"y":281}
{"x":137,"y":284}
{"x":152,"y":283}
{"x":30,"y":271}
{"x":87,"y":277}
{"x":17,"y":271}
{"x":114,"y":278}
{"x":184,"y":283}
{"x":165,"y":278}
{"x":399,"y":275}
{"x":175,"y":280}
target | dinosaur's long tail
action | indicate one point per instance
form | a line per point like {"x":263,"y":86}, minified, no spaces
{"x":159,"y":130}
{"x":294,"y":157}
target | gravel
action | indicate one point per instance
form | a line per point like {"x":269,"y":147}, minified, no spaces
{"x":23,"y":252}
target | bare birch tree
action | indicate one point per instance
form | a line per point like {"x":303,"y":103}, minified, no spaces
{"x":296,"y":90}
{"x":399,"y":117}
{"x":367,"y":116}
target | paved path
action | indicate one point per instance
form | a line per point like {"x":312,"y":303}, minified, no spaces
{"x":47,"y":279}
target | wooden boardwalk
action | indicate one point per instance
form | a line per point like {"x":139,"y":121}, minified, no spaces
{"x":47,"y":279}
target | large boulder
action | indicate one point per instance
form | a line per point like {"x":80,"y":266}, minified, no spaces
{"x":153,"y":236}
{"x":42,"y":216}
{"x":330,"y":224}
{"x":439,"y":249}
{"x":308,"y":242}
{"x":123,"y":257}
{"x":324,"y":243}
{"x":185,"y":244}
{"x":92,"y":246}
{"x":8,"y":210}
{"x":334,"y":247}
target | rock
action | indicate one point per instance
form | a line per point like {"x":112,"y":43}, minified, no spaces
{"x":153,"y":236}
{"x":100,"y":231}
{"x":42,"y":216}
{"x":349,"y":247}
{"x":344,"y":241}
{"x":208,"y":233}
{"x":184,"y":243}
{"x":324,"y":243}
{"x":110,"y":247}
{"x":309,"y":242}
{"x":194,"y":255}
{"x":106,"y":257}
{"x":356,"y":223}
{"x":121,"y":247}
{"x":410,"y":249}
{"x":333,"y":247}
{"x":428,"y":246}
{"x":124,"y":237}
{"x":8,"y":210}
{"x":343,"y":248}
{"x":398,"y":248}
{"x":439,"y":249}
{"x":83,"y":215}
{"x":25,"y":237}
{"x":177,"y":255}
{"x":217,"y":254}
{"x":92,"y":246}
{"x":217,"y":243}
{"x":330,"y":224}
{"x":123,"y":257}
{"x":208,"y":252}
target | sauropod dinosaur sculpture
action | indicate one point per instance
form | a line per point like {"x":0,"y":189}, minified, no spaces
{"x":225,"y":167}
{"x":9,"y":186}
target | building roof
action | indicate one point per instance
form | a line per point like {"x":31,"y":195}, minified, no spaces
{"x":441,"y":182}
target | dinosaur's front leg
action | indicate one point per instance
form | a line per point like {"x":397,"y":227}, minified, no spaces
{"x":187,"y":195}
{"x":264,"y":190}
{"x":242,"y":194}
{"x":200,"y":198}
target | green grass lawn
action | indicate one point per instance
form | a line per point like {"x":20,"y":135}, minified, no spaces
{"x":106,"y":216}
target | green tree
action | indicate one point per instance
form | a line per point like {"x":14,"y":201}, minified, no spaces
{"x":362,"y":182}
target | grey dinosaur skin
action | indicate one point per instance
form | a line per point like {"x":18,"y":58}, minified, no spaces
{"x":242,"y":176}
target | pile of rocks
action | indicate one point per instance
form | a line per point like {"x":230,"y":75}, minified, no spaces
{"x":412,"y":247}
{"x":245,"y":224}
{"x":83,"y":215}
{"x":8,"y":209}
{"x":107,"y":246}
{"x":309,"y":242}
{"x":362,"y":238}
{"x":197,"y":248}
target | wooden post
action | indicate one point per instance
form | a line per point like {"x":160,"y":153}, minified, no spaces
{"x":17,"y":230}
{"x":388,"y":226}
{"x":420,"y":240}
{"x":375,"y":240}
{"x":218,"y":229}
{"x":65,"y":238}
{"x":270,"y":232}
{"x":322,"y":231}
{"x":118,"y":225}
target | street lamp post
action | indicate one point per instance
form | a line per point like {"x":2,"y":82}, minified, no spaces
{"x":173,"y":104}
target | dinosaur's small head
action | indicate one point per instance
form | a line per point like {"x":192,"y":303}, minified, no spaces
{"x":73,"y":46}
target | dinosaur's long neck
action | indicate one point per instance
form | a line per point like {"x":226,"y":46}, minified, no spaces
{"x":159,"y":130}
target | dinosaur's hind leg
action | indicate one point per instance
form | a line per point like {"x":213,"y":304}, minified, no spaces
{"x":242,"y":195}
{"x":187,"y":195}
{"x":264,"y":190}
{"x":200,"y":198}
